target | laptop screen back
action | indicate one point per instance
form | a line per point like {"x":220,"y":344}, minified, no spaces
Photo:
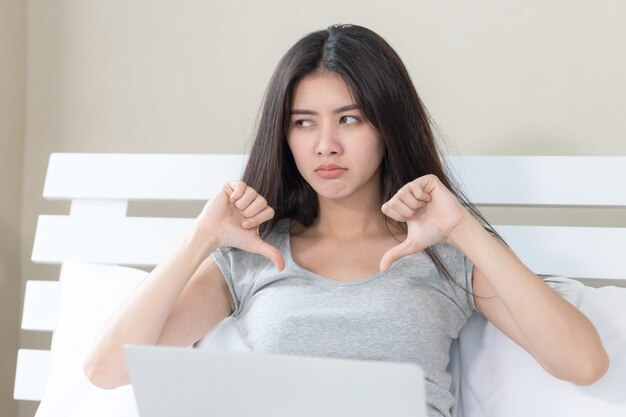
{"x":170,"y":381}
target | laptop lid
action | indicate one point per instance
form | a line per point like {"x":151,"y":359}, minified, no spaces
{"x":171,"y":381}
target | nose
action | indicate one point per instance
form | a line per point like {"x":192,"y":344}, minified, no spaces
{"x":328,"y":141}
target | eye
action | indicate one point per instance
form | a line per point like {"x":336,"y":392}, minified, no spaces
{"x":303,"y":123}
{"x":350,"y":119}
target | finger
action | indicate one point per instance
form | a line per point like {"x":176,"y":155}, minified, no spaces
{"x":417,"y":189}
{"x":395,"y":253}
{"x":400,"y":207}
{"x":266,"y":214}
{"x":228,"y":189}
{"x":270,"y":252}
{"x":238,"y":187}
{"x":429,"y":182}
{"x":390,"y":212}
{"x":257,"y":205}
{"x":407,"y":197}
{"x":248,"y":197}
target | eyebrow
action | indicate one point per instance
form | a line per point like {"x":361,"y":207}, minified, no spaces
{"x":336,"y":111}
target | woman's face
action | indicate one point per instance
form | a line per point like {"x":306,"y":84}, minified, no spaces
{"x":335,"y":148}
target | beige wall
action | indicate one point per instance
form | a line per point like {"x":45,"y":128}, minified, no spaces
{"x":12,"y":94}
{"x":499,"y":77}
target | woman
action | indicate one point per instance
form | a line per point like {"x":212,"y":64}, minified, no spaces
{"x":346,"y":238}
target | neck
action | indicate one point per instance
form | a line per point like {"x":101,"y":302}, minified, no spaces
{"x":349,"y":218}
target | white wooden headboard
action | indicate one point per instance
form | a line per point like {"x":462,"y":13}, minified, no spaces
{"x":98,"y":229}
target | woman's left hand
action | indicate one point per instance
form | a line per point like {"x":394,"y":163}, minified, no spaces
{"x":431,"y":213}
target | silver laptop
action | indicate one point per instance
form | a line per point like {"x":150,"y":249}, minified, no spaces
{"x":184,"y":382}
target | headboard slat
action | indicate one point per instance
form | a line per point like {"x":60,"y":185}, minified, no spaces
{"x":109,"y":240}
{"x":139,"y":176}
{"x":542,"y":180}
{"x":146,"y":241}
{"x":32,"y":374}
{"x":42,"y":303}
{"x":565,"y":251}
{"x":510,"y":180}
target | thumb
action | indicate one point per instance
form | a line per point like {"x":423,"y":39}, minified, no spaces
{"x":403,"y":249}
{"x":270,"y":252}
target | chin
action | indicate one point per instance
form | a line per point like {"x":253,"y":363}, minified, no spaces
{"x":325,"y":193}
{"x":333,"y":194}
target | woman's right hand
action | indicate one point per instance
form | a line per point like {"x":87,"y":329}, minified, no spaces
{"x":233,"y":218}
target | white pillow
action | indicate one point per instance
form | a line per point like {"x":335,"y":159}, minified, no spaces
{"x":499,"y":378}
{"x":90,"y":295}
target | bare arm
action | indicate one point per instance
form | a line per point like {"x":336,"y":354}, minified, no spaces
{"x":527,"y":310}
{"x":204,"y":302}
{"x":185,"y":295}
{"x":157,"y":313}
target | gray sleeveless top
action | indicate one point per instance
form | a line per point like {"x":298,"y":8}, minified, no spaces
{"x":410,"y":313}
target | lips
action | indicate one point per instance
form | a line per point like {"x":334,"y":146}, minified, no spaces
{"x":330,"y":171}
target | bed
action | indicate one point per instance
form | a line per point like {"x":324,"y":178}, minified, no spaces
{"x":104,"y":253}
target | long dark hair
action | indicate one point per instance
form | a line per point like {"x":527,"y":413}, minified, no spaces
{"x":381,"y":87}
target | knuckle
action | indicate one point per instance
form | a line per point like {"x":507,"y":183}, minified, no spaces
{"x":267,"y":214}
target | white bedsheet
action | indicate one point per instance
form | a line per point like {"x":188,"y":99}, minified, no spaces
{"x":497,"y":377}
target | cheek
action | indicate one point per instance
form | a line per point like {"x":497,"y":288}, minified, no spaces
{"x":297,"y":154}
{"x":376,"y":150}
{"x":300,"y":146}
